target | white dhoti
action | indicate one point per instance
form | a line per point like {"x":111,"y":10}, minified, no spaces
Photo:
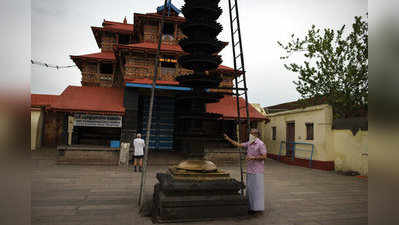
{"x":255,"y":191}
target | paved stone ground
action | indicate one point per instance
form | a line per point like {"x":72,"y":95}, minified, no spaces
{"x":100,"y":195}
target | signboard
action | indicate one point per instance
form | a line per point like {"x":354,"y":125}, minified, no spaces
{"x":87,"y":120}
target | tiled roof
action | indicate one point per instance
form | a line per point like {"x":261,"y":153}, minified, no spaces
{"x":42,"y":100}
{"x":164,"y":47}
{"x":227,"y":106}
{"x":90,"y":99}
{"x":221,"y":67}
{"x":117,"y":27}
{"x":153,"y":46}
{"x":295,"y":105}
{"x":105,"y":56}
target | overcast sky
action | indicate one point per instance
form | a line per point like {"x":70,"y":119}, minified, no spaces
{"x":62,"y":27}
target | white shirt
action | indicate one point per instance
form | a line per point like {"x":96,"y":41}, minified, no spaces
{"x":138,"y":147}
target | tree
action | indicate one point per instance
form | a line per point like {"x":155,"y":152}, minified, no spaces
{"x":335,"y":67}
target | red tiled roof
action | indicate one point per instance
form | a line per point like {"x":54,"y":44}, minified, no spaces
{"x":42,"y":100}
{"x":106,"y":56}
{"x":221,"y":67}
{"x":153,"y":46}
{"x":149,"y":81}
{"x":227,"y":106}
{"x":296,"y":104}
{"x":117,"y":26}
{"x":90,"y":99}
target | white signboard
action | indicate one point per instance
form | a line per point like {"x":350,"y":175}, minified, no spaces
{"x":87,"y":120}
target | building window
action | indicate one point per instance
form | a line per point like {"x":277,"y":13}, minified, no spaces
{"x":168,"y":66}
{"x":168,"y":32}
{"x":106,"y":68}
{"x":91,"y":67}
{"x":123,"y":39}
{"x":309,"y":131}
{"x":169,"y":29}
{"x":274,"y":133}
{"x":106,"y":78}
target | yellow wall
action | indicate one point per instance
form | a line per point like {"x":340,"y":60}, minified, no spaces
{"x":320,"y":116}
{"x":36,"y":128}
{"x":351,"y":151}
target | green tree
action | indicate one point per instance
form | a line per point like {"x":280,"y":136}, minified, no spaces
{"x":335,"y":67}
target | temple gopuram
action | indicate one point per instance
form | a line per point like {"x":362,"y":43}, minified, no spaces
{"x":112,"y":104}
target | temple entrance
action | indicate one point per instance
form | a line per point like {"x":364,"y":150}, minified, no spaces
{"x":99,"y":136}
{"x":163,"y":122}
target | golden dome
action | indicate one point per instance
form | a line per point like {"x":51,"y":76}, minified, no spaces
{"x":197,"y":165}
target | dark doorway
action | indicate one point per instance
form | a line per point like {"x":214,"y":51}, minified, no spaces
{"x":244,"y":136}
{"x":290,"y":138}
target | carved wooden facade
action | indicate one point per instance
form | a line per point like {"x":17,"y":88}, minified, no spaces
{"x":128,"y":52}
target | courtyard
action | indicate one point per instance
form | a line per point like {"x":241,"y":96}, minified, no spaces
{"x":108,"y":195}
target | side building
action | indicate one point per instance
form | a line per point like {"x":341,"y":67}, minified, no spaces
{"x":310,"y":137}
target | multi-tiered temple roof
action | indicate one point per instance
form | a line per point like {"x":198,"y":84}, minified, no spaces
{"x":126,"y":56}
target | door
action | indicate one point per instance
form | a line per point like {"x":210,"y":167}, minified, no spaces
{"x":290,"y":138}
{"x":244,"y":136}
{"x":162,"y":125}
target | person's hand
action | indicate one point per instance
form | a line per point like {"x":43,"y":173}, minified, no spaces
{"x":250,"y":158}
{"x":226,"y":137}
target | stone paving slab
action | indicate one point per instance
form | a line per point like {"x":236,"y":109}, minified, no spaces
{"x":107,"y":195}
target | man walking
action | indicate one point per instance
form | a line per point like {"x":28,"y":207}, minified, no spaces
{"x":139,"y":145}
{"x":256,"y":155}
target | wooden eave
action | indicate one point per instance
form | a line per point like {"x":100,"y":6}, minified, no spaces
{"x":127,"y":48}
{"x":97,"y":32}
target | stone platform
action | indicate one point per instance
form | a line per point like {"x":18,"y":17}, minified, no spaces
{"x":181,"y":200}
{"x":87,"y":155}
{"x":108,"y":195}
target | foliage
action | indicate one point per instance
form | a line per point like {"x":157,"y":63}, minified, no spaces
{"x":335,"y":67}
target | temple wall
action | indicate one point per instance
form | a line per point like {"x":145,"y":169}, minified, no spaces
{"x":52,"y":135}
{"x":150,"y":33}
{"x":138,"y":66}
{"x":108,"y":41}
{"x":90,"y":74}
{"x":92,"y":77}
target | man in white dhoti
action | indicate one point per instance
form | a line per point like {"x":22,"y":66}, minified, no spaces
{"x":256,"y":155}
{"x":138,"y":155}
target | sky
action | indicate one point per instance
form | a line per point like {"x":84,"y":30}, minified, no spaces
{"x":61,"y":28}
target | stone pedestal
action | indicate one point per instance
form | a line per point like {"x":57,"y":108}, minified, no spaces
{"x":179,"y":198}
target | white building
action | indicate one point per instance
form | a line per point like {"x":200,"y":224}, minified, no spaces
{"x":337,"y":144}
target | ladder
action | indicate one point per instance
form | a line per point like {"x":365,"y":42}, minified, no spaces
{"x":240,"y":82}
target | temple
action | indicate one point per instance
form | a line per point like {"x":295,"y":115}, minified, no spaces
{"x":113,"y":102}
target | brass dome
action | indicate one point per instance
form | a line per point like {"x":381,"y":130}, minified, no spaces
{"x":197,"y":165}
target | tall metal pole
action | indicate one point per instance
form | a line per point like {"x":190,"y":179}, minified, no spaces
{"x":238,"y":127}
{"x":243,"y":67}
{"x":147,"y":138}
